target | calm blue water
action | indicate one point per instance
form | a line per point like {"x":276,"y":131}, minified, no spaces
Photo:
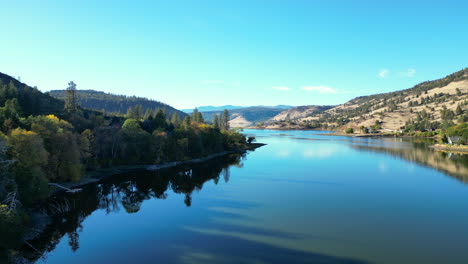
{"x":303,"y":198}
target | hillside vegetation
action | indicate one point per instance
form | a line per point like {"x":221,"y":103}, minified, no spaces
{"x":427,"y":106}
{"x":24,"y":100}
{"x":248,"y":116}
{"x":44,"y":140}
{"x":116,"y":104}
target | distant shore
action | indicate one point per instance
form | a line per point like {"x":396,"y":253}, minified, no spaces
{"x":286,"y":129}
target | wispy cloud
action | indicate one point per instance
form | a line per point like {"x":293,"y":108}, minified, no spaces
{"x":281,"y":88}
{"x":383,"y":73}
{"x":320,"y":89}
{"x":409,"y":73}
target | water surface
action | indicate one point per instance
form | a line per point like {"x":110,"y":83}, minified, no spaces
{"x":303,"y":198}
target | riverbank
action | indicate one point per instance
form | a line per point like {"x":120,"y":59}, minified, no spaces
{"x":40,"y":220}
{"x":379,"y":135}
{"x":105,"y":173}
{"x":451,"y":148}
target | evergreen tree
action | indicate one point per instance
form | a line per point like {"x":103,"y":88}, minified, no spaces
{"x":130,"y":113}
{"x":148,"y":113}
{"x":225,"y":120}
{"x":159,"y":120}
{"x":175,"y":119}
{"x":200,"y":118}
{"x":186,"y":123}
{"x":216,"y":121}
{"x":138,"y":111}
{"x":197,"y":116}
{"x":71,"y":103}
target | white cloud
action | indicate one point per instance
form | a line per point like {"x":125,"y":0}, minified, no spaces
{"x":320,"y":89}
{"x":409,"y":73}
{"x":280,"y":88}
{"x":383,"y":73}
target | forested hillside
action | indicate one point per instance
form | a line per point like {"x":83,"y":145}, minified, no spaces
{"x":44,"y":140}
{"x":427,"y":106}
{"x":117,"y":104}
{"x":20,"y":99}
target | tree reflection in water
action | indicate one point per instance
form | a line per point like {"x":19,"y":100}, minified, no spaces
{"x":127,"y":191}
{"x":452,"y":164}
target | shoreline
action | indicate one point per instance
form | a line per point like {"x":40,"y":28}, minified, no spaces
{"x":286,"y":129}
{"x":463,"y":149}
{"x":40,"y":221}
{"x":98,"y":175}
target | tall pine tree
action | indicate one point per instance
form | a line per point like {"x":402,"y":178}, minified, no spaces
{"x":71,"y":101}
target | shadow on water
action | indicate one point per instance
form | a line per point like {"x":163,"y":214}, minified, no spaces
{"x":237,"y":250}
{"x":122,"y":192}
{"x":451,"y":164}
{"x":126,"y":194}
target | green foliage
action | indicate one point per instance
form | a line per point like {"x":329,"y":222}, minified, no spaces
{"x":117,"y":104}
{"x":460,"y":130}
{"x":197,"y":116}
{"x":30,"y":101}
{"x":131,"y":124}
{"x":6,"y":182}
{"x":233,"y":139}
{"x":364,"y":129}
{"x":27,"y":148}
{"x":12,"y":227}
{"x":61,"y":144}
{"x":37,"y":149}
{"x":71,"y":102}
{"x":224,"y":120}
{"x":349,"y":130}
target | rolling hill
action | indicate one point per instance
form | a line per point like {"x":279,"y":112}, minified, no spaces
{"x":117,"y":104}
{"x":29,"y":100}
{"x":426,"y":106}
{"x":248,"y":116}
{"x":299,"y":112}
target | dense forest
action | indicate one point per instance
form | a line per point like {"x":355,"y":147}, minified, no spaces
{"x":117,"y":104}
{"x":44,"y":140}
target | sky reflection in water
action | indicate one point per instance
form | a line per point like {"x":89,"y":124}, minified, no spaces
{"x":303,"y":198}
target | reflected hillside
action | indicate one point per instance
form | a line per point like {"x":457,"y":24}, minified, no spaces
{"x":122,"y":193}
{"x":452,"y":164}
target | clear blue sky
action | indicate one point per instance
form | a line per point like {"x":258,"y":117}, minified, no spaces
{"x":194,"y":53}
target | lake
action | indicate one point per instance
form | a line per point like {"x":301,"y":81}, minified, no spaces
{"x":303,"y":198}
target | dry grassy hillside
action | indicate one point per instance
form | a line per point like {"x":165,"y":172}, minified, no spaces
{"x":299,"y":112}
{"x":430,"y":103}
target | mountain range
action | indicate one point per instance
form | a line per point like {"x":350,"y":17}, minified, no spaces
{"x":210,"y":108}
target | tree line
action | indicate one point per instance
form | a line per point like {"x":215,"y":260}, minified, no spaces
{"x":59,"y":142}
